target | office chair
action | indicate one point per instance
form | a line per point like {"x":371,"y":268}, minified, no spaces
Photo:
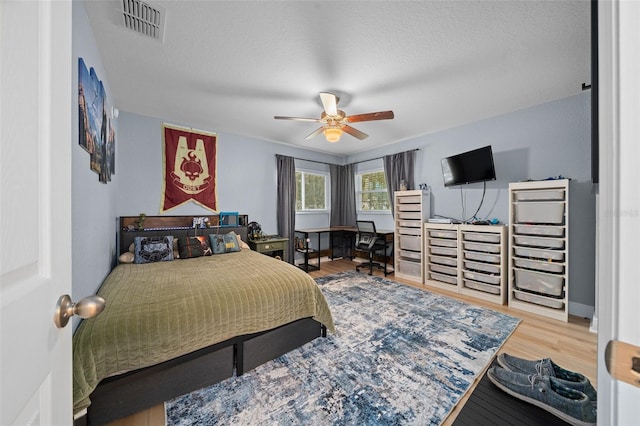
{"x":367,"y":240}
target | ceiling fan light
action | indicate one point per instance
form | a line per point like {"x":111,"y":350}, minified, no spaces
{"x":332,"y":134}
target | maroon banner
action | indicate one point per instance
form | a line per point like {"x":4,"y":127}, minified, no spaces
{"x":189,"y":168}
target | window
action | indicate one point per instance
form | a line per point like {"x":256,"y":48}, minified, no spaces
{"x":371,"y":191}
{"x":311,"y":191}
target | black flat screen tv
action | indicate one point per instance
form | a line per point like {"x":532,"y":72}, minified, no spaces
{"x":469,"y":167}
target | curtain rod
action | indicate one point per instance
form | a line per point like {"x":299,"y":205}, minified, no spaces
{"x":357,"y":162}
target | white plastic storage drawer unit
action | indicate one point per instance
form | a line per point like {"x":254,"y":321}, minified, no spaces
{"x":411,"y":210}
{"x":469,"y":259}
{"x":539,"y":247}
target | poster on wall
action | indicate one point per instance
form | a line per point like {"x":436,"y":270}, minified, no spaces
{"x":96,"y":123}
{"x":189,"y":168}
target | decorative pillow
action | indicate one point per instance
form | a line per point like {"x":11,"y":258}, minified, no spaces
{"x":127,"y":257}
{"x":204,"y":241}
{"x":224,"y":243}
{"x":153,"y":249}
{"x":231,"y":242}
{"x":189,"y":247}
{"x":217,"y":243}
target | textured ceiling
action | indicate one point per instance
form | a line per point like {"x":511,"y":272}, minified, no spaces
{"x":232,"y":65}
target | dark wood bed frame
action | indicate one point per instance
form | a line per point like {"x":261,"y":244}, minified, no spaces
{"x":132,"y":392}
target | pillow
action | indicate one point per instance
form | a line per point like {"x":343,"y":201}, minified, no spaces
{"x":216,"y":241}
{"x":231,"y":242}
{"x":204,"y":241}
{"x":153,"y":249}
{"x":224,"y":243}
{"x":127,"y":257}
{"x":242,"y":244}
{"x":189,"y":247}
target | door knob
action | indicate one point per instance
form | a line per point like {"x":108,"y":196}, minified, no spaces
{"x":623,"y":362}
{"x":88,"y":307}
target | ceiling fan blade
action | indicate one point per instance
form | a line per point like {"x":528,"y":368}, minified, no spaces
{"x":315,"y":133}
{"x":330,"y":103}
{"x":382,"y":115}
{"x":354,"y":132}
{"x":280,"y":117}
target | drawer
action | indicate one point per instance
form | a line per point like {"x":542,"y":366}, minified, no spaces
{"x":538,"y":265}
{"x":485,"y":278}
{"x":484,"y":267}
{"x":487,"y":288}
{"x":539,"y":300}
{"x":444,"y":251}
{"x":409,"y":207}
{"x":272,"y":246}
{"x":482,"y":257}
{"x":541,"y":242}
{"x":483,"y":238}
{"x":442,"y":242}
{"x":446,"y":270}
{"x":409,"y":199}
{"x":409,"y":216}
{"x":539,"y":230}
{"x":410,"y":231}
{"x":539,"y":282}
{"x":411,"y":255}
{"x":410,"y":223}
{"x":448,"y":261}
{"x":543,"y":212}
{"x":539,"y":195}
{"x":549,"y":255}
{"x":443,"y":278}
{"x":409,"y":242}
{"x":439,"y":233}
{"x":408,"y":267}
{"x":485,"y":248}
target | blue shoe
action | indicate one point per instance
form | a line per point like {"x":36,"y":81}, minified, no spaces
{"x":546,"y":392}
{"x":547,"y":367}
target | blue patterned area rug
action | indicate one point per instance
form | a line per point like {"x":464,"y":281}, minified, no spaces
{"x":400,"y":356}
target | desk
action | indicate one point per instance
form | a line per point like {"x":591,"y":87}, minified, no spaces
{"x":387,"y":235}
{"x":272,"y":246}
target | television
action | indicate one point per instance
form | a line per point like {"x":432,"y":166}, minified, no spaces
{"x":469,"y":167}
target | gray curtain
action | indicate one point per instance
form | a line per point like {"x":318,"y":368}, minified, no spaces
{"x":286,"y":201}
{"x":398,"y":167}
{"x":343,"y":196}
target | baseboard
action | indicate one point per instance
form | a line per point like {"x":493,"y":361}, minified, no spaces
{"x":580,"y":310}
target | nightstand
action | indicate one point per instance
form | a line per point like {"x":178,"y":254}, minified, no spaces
{"x":271,"y":246}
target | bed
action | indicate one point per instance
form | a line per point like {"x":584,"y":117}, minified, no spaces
{"x":170,"y":327}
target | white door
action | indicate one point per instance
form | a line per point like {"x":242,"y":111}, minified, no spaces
{"x":35,"y":211}
{"x":619,"y":210}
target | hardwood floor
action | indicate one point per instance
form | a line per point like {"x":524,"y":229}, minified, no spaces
{"x":570,"y":345}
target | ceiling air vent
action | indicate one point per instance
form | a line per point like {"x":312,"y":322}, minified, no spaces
{"x":144,"y":19}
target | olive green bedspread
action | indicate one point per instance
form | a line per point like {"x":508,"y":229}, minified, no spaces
{"x":156,"y":312}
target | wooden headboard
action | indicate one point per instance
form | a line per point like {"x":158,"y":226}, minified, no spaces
{"x":178,"y":226}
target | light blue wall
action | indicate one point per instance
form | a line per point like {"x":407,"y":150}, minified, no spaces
{"x":93,"y":203}
{"x":543,"y":141}
{"x":246,"y":171}
{"x":535,"y":143}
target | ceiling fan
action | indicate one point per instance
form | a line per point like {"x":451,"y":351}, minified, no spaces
{"x":335,"y":121}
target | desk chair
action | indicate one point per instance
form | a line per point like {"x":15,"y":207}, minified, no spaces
{"x":367,"y":240}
